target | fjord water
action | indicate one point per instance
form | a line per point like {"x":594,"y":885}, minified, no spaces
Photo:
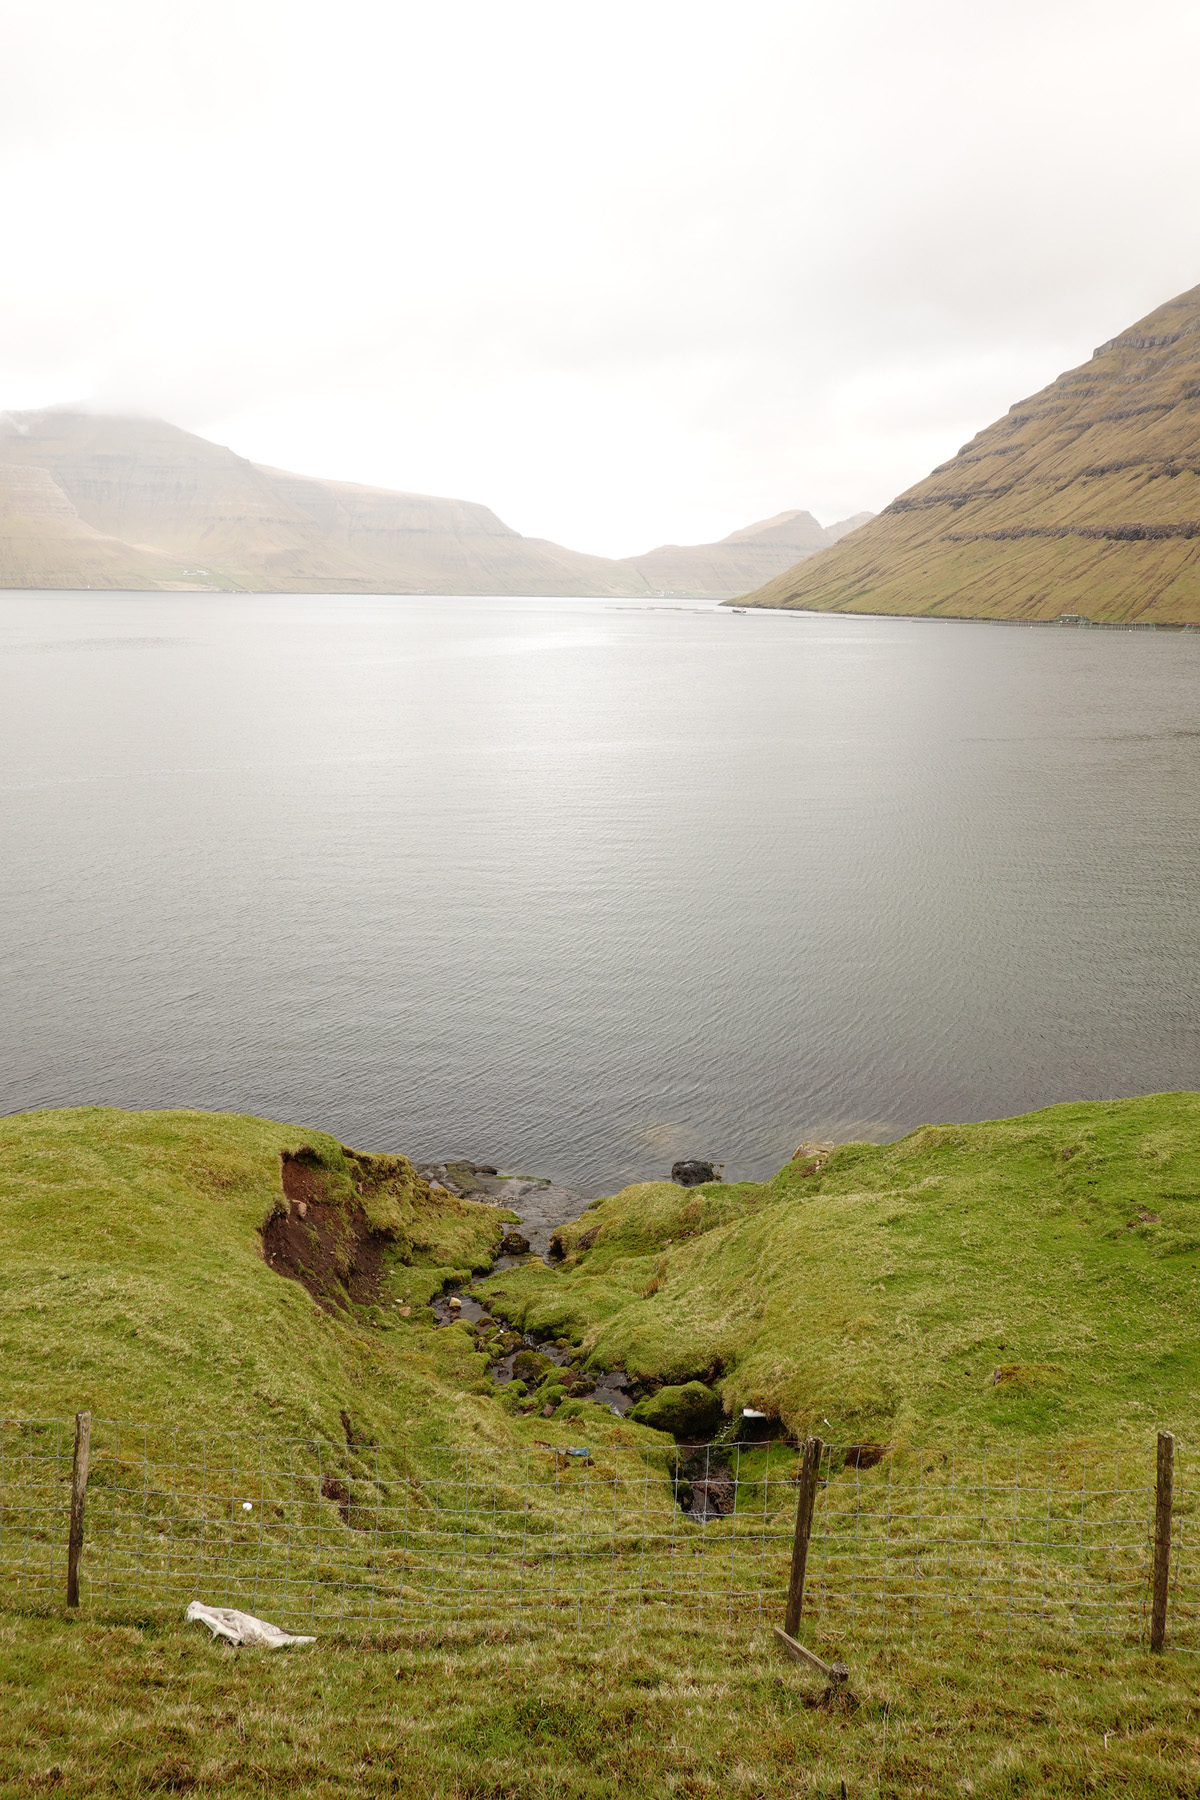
{"x":582,"y":886}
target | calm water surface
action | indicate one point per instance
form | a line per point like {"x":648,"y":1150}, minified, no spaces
{"x":582,"y":886}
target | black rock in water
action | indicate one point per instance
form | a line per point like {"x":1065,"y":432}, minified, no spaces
{"x":692,"y":1174}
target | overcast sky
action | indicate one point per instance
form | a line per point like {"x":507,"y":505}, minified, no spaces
{"x":628,"y":273}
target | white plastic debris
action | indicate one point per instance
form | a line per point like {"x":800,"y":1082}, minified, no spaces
{"x":241,"y":1628}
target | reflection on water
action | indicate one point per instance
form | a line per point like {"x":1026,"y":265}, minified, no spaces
{"x":583,"y":887}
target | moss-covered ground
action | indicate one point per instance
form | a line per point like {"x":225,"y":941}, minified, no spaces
{"x":133,"y":1285}
{"x":1036,"y":1277}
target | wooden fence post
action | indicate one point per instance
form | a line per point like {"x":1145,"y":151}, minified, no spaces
{"x":806,"y":1495}
{"x":1164,"y":1493}
{"x":79,"y":1475}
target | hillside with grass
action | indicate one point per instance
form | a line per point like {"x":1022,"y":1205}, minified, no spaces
{"x":1035,"y":1277}
{"x":217,"y":1271}
{"x":1032,"y":1279}
{"x":1083,"y":499}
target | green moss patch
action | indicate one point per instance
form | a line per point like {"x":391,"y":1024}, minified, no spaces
{"x":873,"y":1299}
{"x":690,"y":1412}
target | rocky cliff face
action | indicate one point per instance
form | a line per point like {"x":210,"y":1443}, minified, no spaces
{"x":1083,"y":499}
{"x":92,"y":501}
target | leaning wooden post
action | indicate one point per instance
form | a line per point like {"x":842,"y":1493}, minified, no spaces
{"x":806,"y":1495}
{"x":1164,"y":1493}
{"x":79,"y":1475}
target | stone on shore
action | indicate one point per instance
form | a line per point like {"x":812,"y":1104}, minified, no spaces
{"x":691,"y":1173}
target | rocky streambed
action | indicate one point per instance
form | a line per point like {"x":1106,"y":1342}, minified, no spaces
{"x":519,"y":1359}
{"x":541,"y":1205}
{"x":549,"y":1374}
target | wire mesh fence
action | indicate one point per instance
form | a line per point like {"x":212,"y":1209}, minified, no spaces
{"x":326,"y":1535}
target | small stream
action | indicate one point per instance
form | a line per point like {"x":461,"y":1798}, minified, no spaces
{"x":705,"y":1485}
{"x":612,"y":1388}
{"x":541,"y":1206}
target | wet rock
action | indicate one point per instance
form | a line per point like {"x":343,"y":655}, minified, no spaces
{"x":458,"y":1309}
{"x":462,"y":1173}
{"x":691,"y":1412}
{"x":612,"y":1390}
{"x":691,"y":1173}
{"x":513,"y":1244}
{"x":531,"y":1365}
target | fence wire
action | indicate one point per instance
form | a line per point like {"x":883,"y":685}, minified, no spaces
{"x":329,"y":1535}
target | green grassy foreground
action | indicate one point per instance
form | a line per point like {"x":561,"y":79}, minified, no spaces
{"x":137,"y":1707}
{"x":1036,"y":1277}
{"x":878,"y":1290}
{"x":133,"y":1284}
{"x":1031,"y":1277}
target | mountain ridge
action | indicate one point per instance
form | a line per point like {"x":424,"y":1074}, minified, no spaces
{"x":1082,"y":500}
{"x":89,"y":500}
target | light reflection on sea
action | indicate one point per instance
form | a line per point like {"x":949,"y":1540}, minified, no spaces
{"x":582,"y":886}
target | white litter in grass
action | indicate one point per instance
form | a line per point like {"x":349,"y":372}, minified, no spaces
{"x":241,"y":1628}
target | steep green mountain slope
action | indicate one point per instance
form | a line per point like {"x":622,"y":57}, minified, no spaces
{"x":1038,"y":1275}
{"x":94,"y":501}
{"x":1084,"y":499}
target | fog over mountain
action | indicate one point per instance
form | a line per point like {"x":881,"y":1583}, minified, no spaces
{"x":92,"y":501}
{"x":626,"y":280}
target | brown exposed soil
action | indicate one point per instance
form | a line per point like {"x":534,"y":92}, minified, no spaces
{"x":713,"y":1499}
{"x":864,"y":1456}
{"x":325,"y":1244}
{"x":337,"y":1491}
{"x":357,"y":1517}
